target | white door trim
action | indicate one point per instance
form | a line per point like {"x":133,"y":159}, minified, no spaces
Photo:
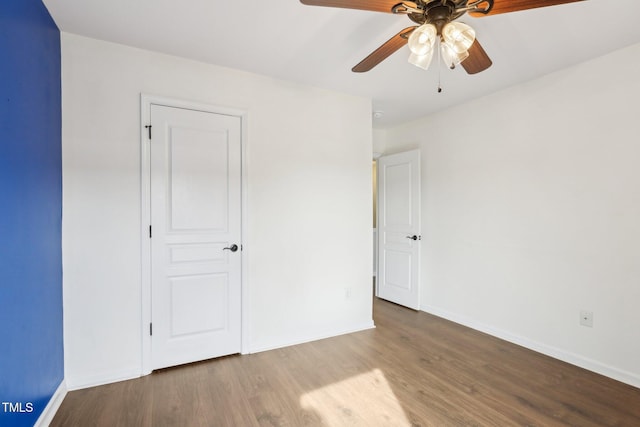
{"x":145,"y":215}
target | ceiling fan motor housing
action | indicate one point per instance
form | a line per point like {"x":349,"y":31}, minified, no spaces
{"x":441,"y":12}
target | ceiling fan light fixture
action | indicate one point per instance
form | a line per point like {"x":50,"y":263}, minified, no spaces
{"x":458,"y":36}
{"x":422,"y":39}
{"x":451,"y":57}
{"x":421,"y":61}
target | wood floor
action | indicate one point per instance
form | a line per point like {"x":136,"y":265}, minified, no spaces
{"x":414,"y":369}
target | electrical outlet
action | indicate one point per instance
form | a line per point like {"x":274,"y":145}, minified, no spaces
{"x":347,"y":293}
{"x":586,"y":318}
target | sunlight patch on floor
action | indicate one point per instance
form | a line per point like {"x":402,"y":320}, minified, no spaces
{"x":365,"y":400}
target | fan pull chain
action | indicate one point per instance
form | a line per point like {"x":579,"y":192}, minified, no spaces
{"x":439,"y":67}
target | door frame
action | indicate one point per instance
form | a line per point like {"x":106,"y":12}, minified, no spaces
{"x":146,"y":101}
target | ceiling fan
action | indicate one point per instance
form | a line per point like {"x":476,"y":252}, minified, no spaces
{"x":437,"y":24}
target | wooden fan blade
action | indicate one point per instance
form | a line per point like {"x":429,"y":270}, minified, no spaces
{"x":374,"y":5}
{"x":383,"y":52}
{"x":506,"y":6}
{"x":478,"y":59}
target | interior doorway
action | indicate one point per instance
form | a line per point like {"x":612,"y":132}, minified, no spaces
{"x":398,"y":228}
{"x":192,"y":171}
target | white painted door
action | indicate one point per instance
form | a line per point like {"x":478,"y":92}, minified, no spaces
{"x":195,"y":218}
{"x":399,"y":228}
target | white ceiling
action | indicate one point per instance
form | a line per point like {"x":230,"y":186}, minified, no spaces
{"x":318,"y":46}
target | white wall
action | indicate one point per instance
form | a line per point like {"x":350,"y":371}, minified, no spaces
{"x":379,"y":138}
{"x":531,"y":212}
{"x":309,"y":203}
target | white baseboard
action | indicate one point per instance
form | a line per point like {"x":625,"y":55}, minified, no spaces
{"x":101,"y":379}
{"x":305,"y":339}
{"x":556,"y":353}
{"x":50,"y":410}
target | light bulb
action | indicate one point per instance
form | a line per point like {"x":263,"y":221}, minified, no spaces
{"x":458,"y":36}
{"x":451,"y":57}
{"x":421,"y":61}
{"x":422,"y":39}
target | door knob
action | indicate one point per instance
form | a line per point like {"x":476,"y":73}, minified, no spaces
{"x":414,"y":237}
{"x":231,"y":248}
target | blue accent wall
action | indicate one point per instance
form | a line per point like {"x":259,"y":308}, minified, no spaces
{"x":31,"y":345}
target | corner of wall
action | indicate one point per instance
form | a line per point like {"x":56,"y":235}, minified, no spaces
{"x":52,"y":407}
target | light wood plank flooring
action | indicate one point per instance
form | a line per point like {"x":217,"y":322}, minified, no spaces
{"x":414,"y":369}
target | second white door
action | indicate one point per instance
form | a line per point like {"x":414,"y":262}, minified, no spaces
{"x":195,"y":235}
{"x":399,"y":237}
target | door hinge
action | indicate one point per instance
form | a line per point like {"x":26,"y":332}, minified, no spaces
{"x":148,"y":127}
{"x":150,"y":328}
{"x":150,"y":234}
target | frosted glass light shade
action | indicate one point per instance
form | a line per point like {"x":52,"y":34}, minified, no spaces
{"x":451,"y":57}
{"x":458,"y":36}
{"x":422,"y":39}
{"x":422,"y":61}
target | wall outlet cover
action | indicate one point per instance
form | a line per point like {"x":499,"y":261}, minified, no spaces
{"x":586,"y":318}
